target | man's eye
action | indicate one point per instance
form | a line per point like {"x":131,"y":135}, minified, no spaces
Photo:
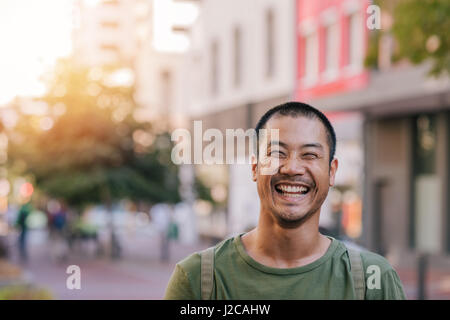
{"x":310,"y":156}
{"x":276,"y":153}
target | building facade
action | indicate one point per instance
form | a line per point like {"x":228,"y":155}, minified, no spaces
{"x":331,"y":46}
{"x":161,"y":65}
{"x":405,"y":140}
{"x":109,"y":31}
{"x":241,"y":63}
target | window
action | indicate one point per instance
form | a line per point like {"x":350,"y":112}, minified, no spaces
{"x":311,"y":61}
{"x":331,"y":51}
{"x":270,"y":43}
{"x":237,"y":56}
{"x":111,"y":2}
{"x":166,"y":91}
{"x":214,"y":68}
{"x":426,"y":220}
{"x":109,"y":24}
{"x":109,"y":47}
{"x":355,"y":41}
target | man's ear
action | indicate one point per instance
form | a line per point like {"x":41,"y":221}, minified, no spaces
{"x":254,"y":164}
{"x":333,"y":168}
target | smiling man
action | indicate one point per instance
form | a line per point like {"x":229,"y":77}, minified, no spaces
{"x":285,"y":256}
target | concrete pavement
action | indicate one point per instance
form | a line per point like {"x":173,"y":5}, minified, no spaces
{"x":141,"y":275}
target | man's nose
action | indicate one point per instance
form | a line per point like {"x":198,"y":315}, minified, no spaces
{"x":292,"y":166}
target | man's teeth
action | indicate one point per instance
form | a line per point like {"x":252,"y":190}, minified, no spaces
{"x":292,"y":189}
{"x":292,"y":195}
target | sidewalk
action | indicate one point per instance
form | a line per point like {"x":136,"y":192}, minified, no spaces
{"x":138,"y":275}
{"x":437,"y":283}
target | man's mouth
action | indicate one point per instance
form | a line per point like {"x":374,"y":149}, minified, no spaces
{"x":292,"y":190}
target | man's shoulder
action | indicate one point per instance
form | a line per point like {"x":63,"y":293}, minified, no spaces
{"x":191,"y":264}
{"x":186,"y":278}
{"x":371,"y":259}
{"x":382,"y":281}
{"x":368,"y":258}
{"x":381,"y":278}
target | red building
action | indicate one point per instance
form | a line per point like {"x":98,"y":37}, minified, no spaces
{"x":332,"y":40}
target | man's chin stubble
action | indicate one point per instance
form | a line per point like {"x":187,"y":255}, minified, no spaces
{"x":292,"y":223}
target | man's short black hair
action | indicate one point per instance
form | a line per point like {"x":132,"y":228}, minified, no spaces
{"x":299,"y":109}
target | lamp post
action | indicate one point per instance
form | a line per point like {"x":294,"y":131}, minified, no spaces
{"x":422,"y":266}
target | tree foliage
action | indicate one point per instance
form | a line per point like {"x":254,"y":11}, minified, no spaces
{"x":420,"y":29}
{"x":95,"y":150}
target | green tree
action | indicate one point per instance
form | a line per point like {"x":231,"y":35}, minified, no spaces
{"x":420,"y":29}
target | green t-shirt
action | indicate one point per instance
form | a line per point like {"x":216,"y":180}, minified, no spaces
{"x":238,"y":276}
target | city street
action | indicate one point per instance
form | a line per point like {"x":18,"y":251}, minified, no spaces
{"x":124,"y":124}
{"x":140,"y":274}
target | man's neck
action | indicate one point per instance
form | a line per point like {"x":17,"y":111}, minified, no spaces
{"x":278,"y":247}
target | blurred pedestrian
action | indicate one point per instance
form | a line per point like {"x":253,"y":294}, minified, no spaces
{"x":21,"y":224}
{"x":161,"y":217}
{"x":57,"y":221}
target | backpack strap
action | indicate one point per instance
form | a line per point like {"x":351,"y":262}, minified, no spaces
{"x":357,"y":271}
{"x":207,"y":272}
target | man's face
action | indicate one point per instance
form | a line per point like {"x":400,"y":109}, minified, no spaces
{"x":299,"y":183}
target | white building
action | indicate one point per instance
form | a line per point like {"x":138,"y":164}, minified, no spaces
{"x":162,"y":86}
{"x":109,"y":31}
{"x":161,"y":64}
{"x":241,"y":63}
{"x":242,"y":52}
